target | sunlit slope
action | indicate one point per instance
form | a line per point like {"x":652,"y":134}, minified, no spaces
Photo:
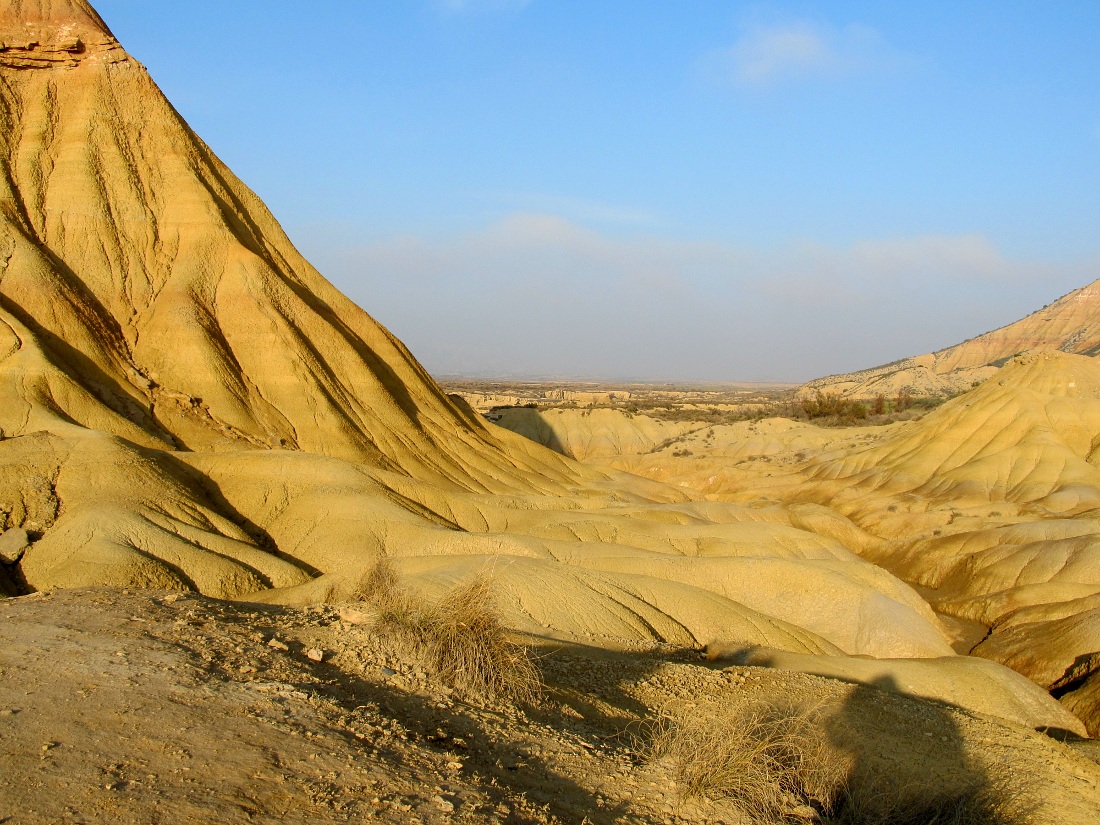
{"x":988,"y":505}
{"x":185,"y":403}
{"x":1071,"y":324}
{"x":148,"y":293}
{"x":988,"y":500}
{"x":1026,"y":437}
{"x":602,"y":570}
{"x":594,"y":433}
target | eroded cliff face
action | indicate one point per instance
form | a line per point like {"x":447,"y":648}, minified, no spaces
{"x":1070,"y":324}
{"x":54,"y":33}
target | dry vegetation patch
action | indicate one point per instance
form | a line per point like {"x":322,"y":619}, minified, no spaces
{"x":782,"y":764}
{"x":774,"y":762}
{"x":461,"y":638}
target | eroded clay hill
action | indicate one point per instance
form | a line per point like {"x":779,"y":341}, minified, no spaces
{"x":987,"y":505}
{"x":1071,"y":324}
{"x":152,"y":306}
{"x":186,"y":404}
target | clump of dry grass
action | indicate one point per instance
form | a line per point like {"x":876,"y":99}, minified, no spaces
{"x":1001,"y":800}
{"x":460,"y":638}
{"x":778,"y":764}
{"x":769,"y":760}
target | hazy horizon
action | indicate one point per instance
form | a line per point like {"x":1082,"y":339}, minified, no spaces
{"x":745,"y":191}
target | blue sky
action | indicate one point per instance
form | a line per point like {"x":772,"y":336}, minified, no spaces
{"x":697,"y":191}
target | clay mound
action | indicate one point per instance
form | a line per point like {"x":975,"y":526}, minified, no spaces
{"x":1043,"y":643}
{"x":1056,"y":646}
{"x":153,"y":308}
{"x":1071,"y":324}
{"x":593,"y":434}
{"x":1025,"y":437}
{"x":1021,"y":448}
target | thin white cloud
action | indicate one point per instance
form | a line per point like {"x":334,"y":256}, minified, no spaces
{"x":582,"y":210}
{"x":771,"y":55}
{"x":538,"y":294}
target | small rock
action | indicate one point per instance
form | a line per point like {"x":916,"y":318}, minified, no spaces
{"x":13,"y":544}
{"x":388,"y":672}
{"x":352,"y":616}
{"x":315,"y":655}
{"x":278,"y":645}
{"x":443,"y":804}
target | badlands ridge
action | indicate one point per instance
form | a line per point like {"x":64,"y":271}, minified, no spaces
{"x":1070,"y":324}
{"x":187,"y":405}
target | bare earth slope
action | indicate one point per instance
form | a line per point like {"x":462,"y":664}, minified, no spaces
{"x":1070,"y":324}
{"x":988,"y":506}
{"x":149,"y":294}
{"x":145,"y":707}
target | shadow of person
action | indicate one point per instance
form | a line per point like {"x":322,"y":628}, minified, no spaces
{"x":908,"y":762}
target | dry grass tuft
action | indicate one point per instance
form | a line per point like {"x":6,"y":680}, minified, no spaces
{"x":461,"y":638}
{"x":769,"y":760}
{"x":779,"y":765}
{"x":987,"y":801}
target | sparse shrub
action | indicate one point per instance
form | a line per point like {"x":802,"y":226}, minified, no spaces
{"x":460,"y":638}
{"x":904,"y":400}
{"x":878,"y":406}
{"x":823,"y":404}
{"x":986,"y":801}
{"x":766,"y":759}
{"x":833,"y":405}
{"x":779,"y":765}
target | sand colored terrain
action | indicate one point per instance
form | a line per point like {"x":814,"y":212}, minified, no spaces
{"x":963,"y":681}
{"x":187,"y":405}
{"x":149,"y":707}
{"x":986,"y":505}
{"x":594,"y":433}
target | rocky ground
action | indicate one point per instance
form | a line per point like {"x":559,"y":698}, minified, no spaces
{"x":131,"y":707}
